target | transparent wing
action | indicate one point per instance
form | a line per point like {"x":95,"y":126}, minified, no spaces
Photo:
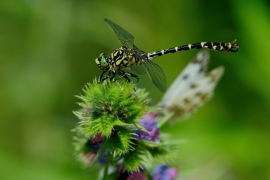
{"x":156,"y":74}
{"x":138,"y":51}
{"x":122,"y":35}
{"x":138,"y":69}
{"x":139,"y":54}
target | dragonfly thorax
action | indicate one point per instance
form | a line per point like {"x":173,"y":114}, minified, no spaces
{"x":120,"y":58}
{"x":123,"y":57}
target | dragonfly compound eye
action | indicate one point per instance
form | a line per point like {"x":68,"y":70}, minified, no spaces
{"x":101,"y":61}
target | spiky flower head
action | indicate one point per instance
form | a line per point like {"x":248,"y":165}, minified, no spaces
{"x":117,"y":128}
{"x":109,"y":106}
{"x":108,"y":121}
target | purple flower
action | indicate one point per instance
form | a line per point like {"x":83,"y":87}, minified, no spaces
{"x":96,"y":147}
{"x":97,"y":138}
{"x":137,"y":176}
{"x":150,"y":124}
{"x":102,"y":158}
{"x":163,"y":172}
{"x":93,"y":146}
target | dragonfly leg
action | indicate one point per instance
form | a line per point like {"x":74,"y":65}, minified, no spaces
{"x":126,"y":74}
{"x":113,"y":75}
{"x":137,"y":77}
{"x":109,"y":75}
{"x":123,"y":74}
{"x":100,"y":78}
{"x":119,"y":78}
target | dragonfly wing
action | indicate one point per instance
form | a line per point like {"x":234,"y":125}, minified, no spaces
{"x":138,"y":51}
{"x":138,"y":69}
{"x":139,"y":55}
{"x":156,"y":74}
{"x":122,"y":35}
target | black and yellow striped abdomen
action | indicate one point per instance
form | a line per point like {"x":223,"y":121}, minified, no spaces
{"x":216,"y":46}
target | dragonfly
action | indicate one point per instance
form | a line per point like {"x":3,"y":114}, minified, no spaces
{"x":130,"y":56}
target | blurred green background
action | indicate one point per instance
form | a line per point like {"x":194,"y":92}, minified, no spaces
{"x":47,"y":52}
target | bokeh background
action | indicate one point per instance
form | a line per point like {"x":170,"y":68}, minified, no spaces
{"x":47,"y":52}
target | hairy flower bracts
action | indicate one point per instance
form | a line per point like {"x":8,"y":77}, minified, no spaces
{"x":117,"y":129}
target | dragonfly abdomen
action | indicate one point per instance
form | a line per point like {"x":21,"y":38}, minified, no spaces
{"x":217,"y":46}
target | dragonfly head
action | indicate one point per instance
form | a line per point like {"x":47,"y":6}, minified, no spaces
{"x":101,"y":61}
